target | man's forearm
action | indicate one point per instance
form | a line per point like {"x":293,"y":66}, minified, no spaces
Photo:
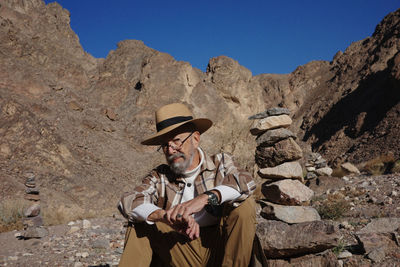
{"x":157,"y":216}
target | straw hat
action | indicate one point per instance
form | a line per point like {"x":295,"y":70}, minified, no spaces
{"x":172,"y":116}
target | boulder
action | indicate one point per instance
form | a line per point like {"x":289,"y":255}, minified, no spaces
{"x":287,"y":192}
{"x":281,"y":240}
{"x":270,"y":123}
{"x":282,"y":151}
{"x":287,"y":170}
{"x":350,"y":168}
{"x":376,"y":245}
{"x":270,"y":112}
{"x":289,"y":214}
{"x":270,"y":137}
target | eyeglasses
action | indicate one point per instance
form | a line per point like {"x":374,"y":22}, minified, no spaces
{"x":175,"y":144}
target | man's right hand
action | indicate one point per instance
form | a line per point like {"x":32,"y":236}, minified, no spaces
{"x":188,"y":226}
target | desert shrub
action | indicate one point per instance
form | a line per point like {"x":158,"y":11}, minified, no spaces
{"x":333,"y":207}
{"x":341,"y":246}
{"x":380,"y":165}
{"x":11,"y":214}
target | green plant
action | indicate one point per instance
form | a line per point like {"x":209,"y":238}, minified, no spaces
{"x":341,"y":246}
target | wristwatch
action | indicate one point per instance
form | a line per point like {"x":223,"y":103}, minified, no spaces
{"x":212,"y":198}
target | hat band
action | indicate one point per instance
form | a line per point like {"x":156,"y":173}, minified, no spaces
{"x":171,"y":121}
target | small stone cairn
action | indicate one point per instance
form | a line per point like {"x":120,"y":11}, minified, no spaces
{"x":316,"y":166}
{"x":288,"y":226}
{"x":277,"y":156}
{"x":33,"y":222}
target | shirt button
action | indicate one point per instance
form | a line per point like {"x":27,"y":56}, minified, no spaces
{"x":188,"y":184}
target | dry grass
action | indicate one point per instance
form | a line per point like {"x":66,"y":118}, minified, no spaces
{"x":11,"y":214}
{"x":380,"y":165}
{"x":64,"y":214}
{"x":334,"y":207}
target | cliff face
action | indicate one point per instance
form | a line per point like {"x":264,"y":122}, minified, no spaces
{"x":77,"y":121}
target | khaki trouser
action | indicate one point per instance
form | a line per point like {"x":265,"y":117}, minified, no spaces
{"x":228,"y":244}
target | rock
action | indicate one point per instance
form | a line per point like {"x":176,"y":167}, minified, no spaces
{"x":270,"y":112}
{"x":32,"y":211}
{"x":324,"y":259}
{"x":289,"y":214}
{"x":372,"y":241}
{"x":71,"y":223}
{"x":377,"y":255}
{"x":281,"y":240}
{"x":350,"y":168}
{"x":30,"y":184}
{"x":310,"y":169}
{"x":18,"y":235}
{"x":32,"y":197}
{"x":287,"y":192}
{"x":321,"y":163}
{"x":84,"y":254}
{"x":270,"y":123}
{"x":73,"y":105}
{"x":33,"y":221}
{"x":311,"y":175}
{"x":270,"y":137}
{"x":35,"y":232}
{"x":111,"y":114}
{"x":344,"y":254}
{"x":73,"y":229}
{"x":313,"y":157}
{"x":326,"y":171}
{"x":86,"y":224}
{"x":282,"y":151}
{"x":287,"y":170}
{"x":34,"y":190}
{"x":100,"y":243}
{"x":381,"y":225}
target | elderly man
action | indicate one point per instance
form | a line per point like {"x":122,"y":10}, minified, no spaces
{"x":195,"y":211}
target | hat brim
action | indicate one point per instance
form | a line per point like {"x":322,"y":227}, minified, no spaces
{"x":201,"y":124}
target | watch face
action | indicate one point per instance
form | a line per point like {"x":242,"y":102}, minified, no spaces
{"x":212,"y":199}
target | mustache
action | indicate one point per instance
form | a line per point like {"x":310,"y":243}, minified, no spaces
{"x":176,"y":155}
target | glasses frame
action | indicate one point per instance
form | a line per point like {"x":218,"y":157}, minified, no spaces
{"x":175,"y":147}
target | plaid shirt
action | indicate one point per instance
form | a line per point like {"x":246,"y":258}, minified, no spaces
{"x":164,"y":189}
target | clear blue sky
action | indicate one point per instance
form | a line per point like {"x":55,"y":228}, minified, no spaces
{"x":265,"y":36}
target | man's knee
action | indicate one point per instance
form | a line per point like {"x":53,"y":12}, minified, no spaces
{"x":244,"y":212}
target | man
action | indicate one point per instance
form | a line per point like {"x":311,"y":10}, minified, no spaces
{"x":196,"y":210}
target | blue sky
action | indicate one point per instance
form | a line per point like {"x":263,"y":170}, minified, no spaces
{"x":264,"y":36}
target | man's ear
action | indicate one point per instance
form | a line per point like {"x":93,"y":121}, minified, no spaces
{"x":196,"y":139}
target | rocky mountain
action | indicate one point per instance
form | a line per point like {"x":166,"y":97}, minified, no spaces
{"x":76,"y":121}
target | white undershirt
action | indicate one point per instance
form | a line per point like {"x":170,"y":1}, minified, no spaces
{"x":203,"y":218}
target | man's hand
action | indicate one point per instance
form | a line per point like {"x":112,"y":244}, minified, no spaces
{"x":189,"y":227}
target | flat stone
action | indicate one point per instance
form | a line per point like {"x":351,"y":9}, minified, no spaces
{"x":282,"y":151}
{"x":372,"y":241}
{"x":325,"y":171}
{"x":30,"y":184}
{"x":32,"y":197}
{"x":101,"y":244}
{"x":313,"y":157}
{"x":281,"y":240}
{"x":33,"y":190}
{"x":270,"y":112}
{"x":33,"y":221}
{"x":289,"y":214}
{"x":287,"y":170}
{"x":350,"y":168}
{"x":381,"y":225}
{"x":287,"y":192}
{"x":272,"y":136}
{"x":270,"y":123}
{"x":32,"y":211}
{"x":35,"y":232}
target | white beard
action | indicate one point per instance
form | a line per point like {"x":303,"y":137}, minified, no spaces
{"x":180,"y":168}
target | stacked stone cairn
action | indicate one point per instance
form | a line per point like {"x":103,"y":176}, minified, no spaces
{"x":316,"y":166}
{"x":33,"y":222}
{"x":288,"y":227}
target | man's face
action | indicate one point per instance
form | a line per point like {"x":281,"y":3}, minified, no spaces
{"x":179,"y":152}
